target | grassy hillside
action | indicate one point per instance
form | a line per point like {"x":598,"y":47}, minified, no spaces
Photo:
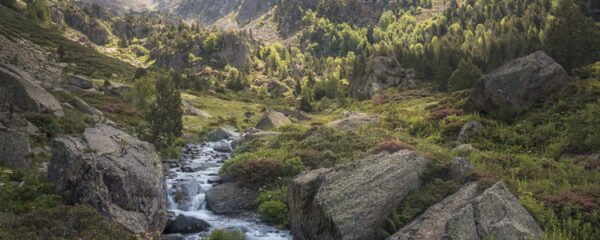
{"x":88,"y":61}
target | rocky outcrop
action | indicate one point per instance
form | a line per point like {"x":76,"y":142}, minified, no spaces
{"x":517,"y":83}
{"x":381,"y":74}
{"x":225,"y":132}
{"x":230,"y":198}
{"x":208,"y":11}
{"x":85,"y":107}
{"x":233,"y":49}
{"x":190,"y":110}
{"x":350,"y":201}
{"x":39,"y":62}
{"x":93,"y":28}
{"x":253,"y":135}
{"x":27,"y":94}
{"x":471,"y":215}
{"x":354,"y":121}
{"x":275,"y":87}
{"x":80,"y":82}
{"x":431,"y":224}
{"x":14,"y":149}
{"x":252,"y":9}
{"x":122,"y":177}
{"x":297,"y":114}
{"x":272,"y":119}
{"x":496,"y":212}
{"x":186,"y":225}
{"x":468,"y":130}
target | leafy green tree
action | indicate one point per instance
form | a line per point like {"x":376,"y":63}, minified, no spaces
{"x":143,"y":92}
{"x":9,"y":3}
{"x":166,"y":113}
{"x":36,"y":10}
{"x":211,"y":43}
{"x":572,"y":39}
{"x":465,"y":76}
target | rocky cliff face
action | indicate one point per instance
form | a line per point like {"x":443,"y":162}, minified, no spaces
{"x":350,"y":201}
{"x":206,"y":12}
{"x":93,"y":28}
{"x":381,"y":74}
{"x":252,"y":9}
{"x":120,"y":176}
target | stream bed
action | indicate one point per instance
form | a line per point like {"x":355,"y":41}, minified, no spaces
{"x":188,"y":181}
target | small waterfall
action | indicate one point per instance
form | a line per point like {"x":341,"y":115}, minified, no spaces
{"x":188,"y":181}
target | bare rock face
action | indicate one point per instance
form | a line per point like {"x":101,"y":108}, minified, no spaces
{"x":27,"y":94}
{"x":14,"y":149}
{"x":93,"y":28}
{"x":517,"y":83}
{"x":496,"y":212}
{"x":122,"y":177}
{"x":384,"y":72}
{"x":431,"y":224}
{"x":354,"y":121}
{"x":350,"y":201}
{"x":272,"y":119}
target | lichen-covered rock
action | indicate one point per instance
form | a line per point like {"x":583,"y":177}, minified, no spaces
{"x":225,"y":132}
{"x":80,"y":82}
{"x":354,"y":121}
{"x":496,"y":212}
{"x":122,"y":177}
{"x":85,"y":107}
{"x":468,"y":130}
{"x":190,"y":110}
{"x":272,"y":119}
{"x":27,"y":94}
{"x":458,"y":168}
{"x":517,"y":83}
{"x":14,"y":149}
{"x":432,"y":223}
{"x":350,"y":201}
{"x":230,"y":198}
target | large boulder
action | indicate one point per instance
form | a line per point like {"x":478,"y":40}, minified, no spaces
{"x":230,"y":198}
{"x":381,"y":74}
{"x":431,"y":224}
{"x":80,"y":82}
{"x":272,"y":119}
{"x":496,"y":212}
{"x":517,"y":83}
{"x":121,"y":91}
{"x":350,"y":201}
{"x":354,"y":121}
{"x":469,"y":214}
{"x":15,"y":151}
{"x":27,"y":94}
{"x":121,"y":176}
{"x":186,"y":225}
{"x":225,"y":132}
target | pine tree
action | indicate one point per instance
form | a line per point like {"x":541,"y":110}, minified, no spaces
{"x":465,"y":76}
{"x":572,"y":39}
{"x":166,"y":113}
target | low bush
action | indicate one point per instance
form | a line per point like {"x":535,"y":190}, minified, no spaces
{"x":24,"y":191}
{"x":391,"y":146}
{"x":260,"y":171}
{"x":273,"y":212}
{"x":62,"y":222}
{"x":225,"y":235}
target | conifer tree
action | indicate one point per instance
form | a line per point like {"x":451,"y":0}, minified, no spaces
{"x":166,"y":113}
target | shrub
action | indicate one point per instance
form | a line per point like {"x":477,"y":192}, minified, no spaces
{"x":273,"y":212}
{"x":465,"y":76}
{"x":277,"y":194}
{"x":224,"y":235}
{"x":257,"y":171}
{"x":23,"y":191}
{"x":391,"y":146}
{"x":45,"y":122}
{"x":62,"y":222}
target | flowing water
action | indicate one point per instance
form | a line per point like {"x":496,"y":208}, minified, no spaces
{"x":197,"y":172}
